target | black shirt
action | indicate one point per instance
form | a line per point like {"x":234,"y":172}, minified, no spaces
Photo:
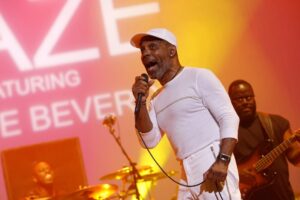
{"x":254,"y":137}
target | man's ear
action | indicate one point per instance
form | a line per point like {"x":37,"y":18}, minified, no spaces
{"x":172,"y":51}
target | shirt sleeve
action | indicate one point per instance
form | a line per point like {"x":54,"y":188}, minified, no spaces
{"x":218,"y":103}
{"x":152,"y":137}
{"x":280,"y":125}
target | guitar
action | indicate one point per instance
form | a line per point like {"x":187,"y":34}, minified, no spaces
{"x":253,"y":172}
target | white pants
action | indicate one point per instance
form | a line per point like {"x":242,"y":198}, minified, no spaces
{"x":196,"y":165}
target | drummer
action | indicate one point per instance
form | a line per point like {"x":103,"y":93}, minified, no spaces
{"x":43,"y":177}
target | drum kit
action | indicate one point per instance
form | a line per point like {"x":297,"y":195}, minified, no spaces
{"x":107,"y":191}
{"x":130,"y":176}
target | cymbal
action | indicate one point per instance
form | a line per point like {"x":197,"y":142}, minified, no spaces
{"x":156,"y":176}
{"x":97,"y":192}
{"x":125,"y":172}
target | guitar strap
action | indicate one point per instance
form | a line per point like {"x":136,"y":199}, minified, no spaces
{"x":266,"y":122}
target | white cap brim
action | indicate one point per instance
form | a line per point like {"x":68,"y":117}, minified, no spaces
{"x":160,"y":33}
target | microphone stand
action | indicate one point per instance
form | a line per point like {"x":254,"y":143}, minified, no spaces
{"x":134,"y":173}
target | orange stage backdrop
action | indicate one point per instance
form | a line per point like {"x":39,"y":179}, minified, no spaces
{"x":65,"y":65}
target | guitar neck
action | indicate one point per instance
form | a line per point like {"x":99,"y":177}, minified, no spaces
{"x":268,"y":159}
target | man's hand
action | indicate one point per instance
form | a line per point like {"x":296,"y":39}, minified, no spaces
{"x":141,"y":86}
{"x":293,"y":152}
{"x":215,"y":177}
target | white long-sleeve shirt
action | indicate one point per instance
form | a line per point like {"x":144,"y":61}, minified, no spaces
{"x":193,"y":110}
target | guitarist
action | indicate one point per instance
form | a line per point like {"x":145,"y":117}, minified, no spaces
{"x":255,"y":130}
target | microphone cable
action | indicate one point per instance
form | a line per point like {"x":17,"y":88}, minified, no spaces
{"x":160,"y":167}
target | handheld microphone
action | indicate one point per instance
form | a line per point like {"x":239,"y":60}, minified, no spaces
{"x":140,"y":95}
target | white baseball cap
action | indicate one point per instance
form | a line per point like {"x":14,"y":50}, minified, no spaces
{"x":160,"y":33}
